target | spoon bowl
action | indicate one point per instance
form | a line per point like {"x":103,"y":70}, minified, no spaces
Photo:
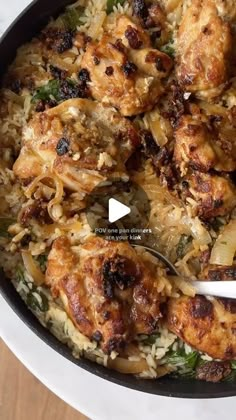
{"x":225,"y":289}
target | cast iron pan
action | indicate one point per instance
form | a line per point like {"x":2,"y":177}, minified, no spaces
{"x":22,"y":30}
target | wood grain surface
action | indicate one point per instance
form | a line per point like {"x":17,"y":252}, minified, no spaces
{"x":23,"y":397}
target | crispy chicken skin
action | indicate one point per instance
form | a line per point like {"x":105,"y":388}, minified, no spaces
{"x":107,"y":291}
{"x":208,"y":326}
{"x":213,"y":371}
{"x":124,"y":70}
{"x":202,"y":147}
{"x":81,"y":141}
{"x":215,"y":195}
{"x":203,"y":47}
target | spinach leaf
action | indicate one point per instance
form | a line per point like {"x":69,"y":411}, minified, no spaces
{"x":231,"y":377}
{"x":60,"y":90}
{"x":112,"y":3}
{"x":5,"y":222}
{"x":185,"y":363}
{"x":20,"y":274}
{"x":30,"y":296}
{"x":151,"y":339}
{"x":169,"y":49}
{"x":42,"y":260}
{"x":182,"y":245}
{"x":233,"y":364}
{"x":44,"y":93}
{"x":34,"y":303}
{"x":72,"y":17}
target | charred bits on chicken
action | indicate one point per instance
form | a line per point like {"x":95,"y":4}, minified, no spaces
{"x":133,"y":37}
{"x":58,"y":40}
{"x":118,"y":272}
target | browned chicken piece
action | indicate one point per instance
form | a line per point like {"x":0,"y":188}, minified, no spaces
{"x":80,"y":141}
{"x":106,"y":288}
{"x":215,"y":195}
{"x":208,"y":326}
{"x":204,"y":44}
{"x":213,"y":371}
{"x":217,"y":273}
{"x":124,"y":70}
{"x":202,"y":147}
{"x":226,"y":9}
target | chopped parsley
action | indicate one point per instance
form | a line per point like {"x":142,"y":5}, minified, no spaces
{"x":47,"y":92}
{"x":169,"y":49}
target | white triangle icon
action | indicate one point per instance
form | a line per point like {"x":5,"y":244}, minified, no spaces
{"x":117,"y":210}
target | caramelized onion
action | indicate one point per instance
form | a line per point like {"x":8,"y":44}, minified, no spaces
{"x":223,"y":251}
{"x":127,"y":366}
{"x":32,"y":268}
{"x":58,"y":196}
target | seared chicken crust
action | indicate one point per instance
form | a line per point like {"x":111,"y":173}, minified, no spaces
{"x":80,"y":141}
{"x":202,"y":147}
{"x":107,"y":290}
{"x":214,"y":195}
{"x":208,"y":326}
{"x":204,"y":44}
{"x":125,"y":71}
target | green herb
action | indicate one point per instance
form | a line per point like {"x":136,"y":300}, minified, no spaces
{"x":72,"y":18}
{"x":44,"y":93}
{"x":169,"y":49}
{"x":42,"y":260}
{"x":31,"y":299}
{"x":151,"y":339}
{"x":233,"y":364}
{"x":34,"y":303}
{"x":20,"y":274}
{"x":185,"y":363}
{"x":231,"y":377}
{"x":112,"y":3}
{"x":182,"y":245}
{"x":5,"y":222}
{"x":58,"y":90}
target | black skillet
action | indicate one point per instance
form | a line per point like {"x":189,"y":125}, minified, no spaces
{"x":23,"y":29}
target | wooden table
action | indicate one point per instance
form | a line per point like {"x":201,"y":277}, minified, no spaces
{"x":23,"y":397}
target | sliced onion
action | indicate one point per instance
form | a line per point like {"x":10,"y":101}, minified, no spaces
{"x":32,"y":268}
{"x":186,"y":287}
{"x":31,"y":188}
{"x":159,"y":127}
{"x":224,"y":249}
{"x":199,"y":232}
{"x":67,"y":227}
{"x":127,"y":366}
{"x":58,"y":196}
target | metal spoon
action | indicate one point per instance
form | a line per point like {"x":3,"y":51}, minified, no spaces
{"x":225,"y":289}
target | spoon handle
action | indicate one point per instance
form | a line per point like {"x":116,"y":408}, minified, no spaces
{"x":225,"y":289}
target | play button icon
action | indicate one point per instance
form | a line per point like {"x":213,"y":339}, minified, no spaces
{"x":117,"y":210}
